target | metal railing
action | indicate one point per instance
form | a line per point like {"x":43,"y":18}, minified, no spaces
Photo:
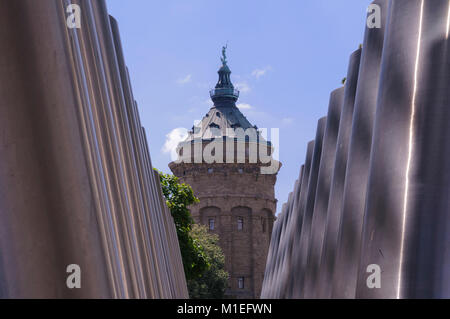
{"x":224,"y":92}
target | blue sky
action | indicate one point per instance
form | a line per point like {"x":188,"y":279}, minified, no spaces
{"x":286,"y":57}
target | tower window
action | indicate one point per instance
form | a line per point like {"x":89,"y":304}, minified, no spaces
{"x":210,"y":170}
{"x":241,"y":282}
{"x":240,"y":223}
{"x":240,"y":170}
{"x":264,"y":225}
{"x":211,"y":224}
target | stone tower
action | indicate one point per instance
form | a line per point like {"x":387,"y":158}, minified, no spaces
{"x":229,"y":165}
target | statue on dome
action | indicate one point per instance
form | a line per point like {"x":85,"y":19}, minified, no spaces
{"x":224,"y":55}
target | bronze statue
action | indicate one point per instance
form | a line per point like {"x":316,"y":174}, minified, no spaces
{"x":224,"y":55}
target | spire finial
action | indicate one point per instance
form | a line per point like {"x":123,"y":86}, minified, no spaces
{"x":224,"y":55}
{"x":224,"y":90}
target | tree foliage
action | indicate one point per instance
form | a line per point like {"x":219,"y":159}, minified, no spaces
{"x":213,"y":282}
{"x":179,"y":197}
{"x":203,"y":259}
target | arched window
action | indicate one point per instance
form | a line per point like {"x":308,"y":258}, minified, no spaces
{"x":210,"y":217}
{"x":241,"y":283}
{"x":241,"y":214}
{"x":267,"y":220}
{"x":211,"y":223}
{"x":240,"y":223}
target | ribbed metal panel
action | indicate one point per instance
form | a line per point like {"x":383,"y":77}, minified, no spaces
{"x":348,"y":248}
{"x":319,"y":216}
{"x":338,"y":179}
{"x":406,"y":224}
{"x":388,"y":206}
{"x":297,"y":222}
{"x":309,"y":206}
{"x":280,"y":270}
{"x":75,"y":172}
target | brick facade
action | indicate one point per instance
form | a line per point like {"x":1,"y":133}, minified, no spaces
{"x":227,"y":193}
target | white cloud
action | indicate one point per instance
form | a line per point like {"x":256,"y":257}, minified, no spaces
{"x":172,"y":140}
{"x":185,"y":80}
{"x":243,"y":87}
{"x":261,"y":72}
{"x":244,"y":106}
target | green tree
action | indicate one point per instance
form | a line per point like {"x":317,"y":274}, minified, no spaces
{"x":213,"y":282}
{"x":179,"y":197}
